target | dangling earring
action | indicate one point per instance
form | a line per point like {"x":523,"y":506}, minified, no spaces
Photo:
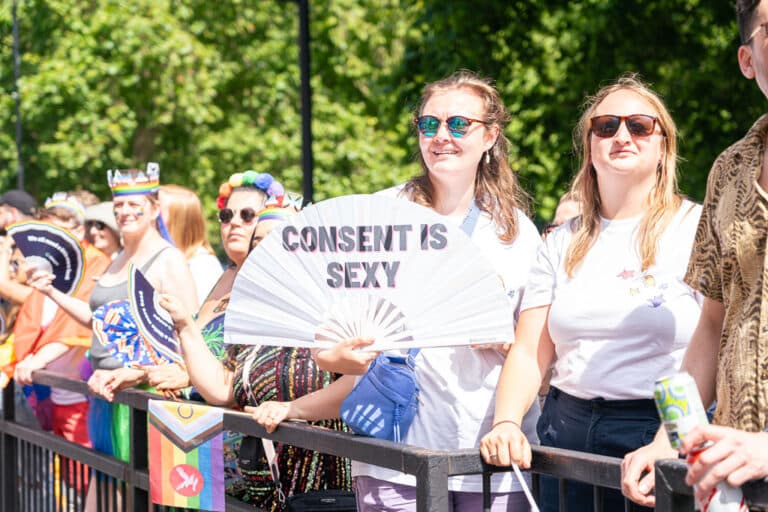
{"x":487,"y":158}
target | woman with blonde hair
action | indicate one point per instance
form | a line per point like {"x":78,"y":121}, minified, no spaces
{"x":606,"y":297}
{"x":183,"y":215}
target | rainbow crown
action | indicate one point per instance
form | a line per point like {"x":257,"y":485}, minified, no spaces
{"x":134,"y":181}
{"x":288,"y":199}
{"x":70,"y":203}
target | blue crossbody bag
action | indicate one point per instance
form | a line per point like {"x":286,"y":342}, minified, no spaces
{"x":384,"y":401}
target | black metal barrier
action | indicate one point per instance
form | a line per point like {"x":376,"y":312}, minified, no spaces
{"x":43,"y":472}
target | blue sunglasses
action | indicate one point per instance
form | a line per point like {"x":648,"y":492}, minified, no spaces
{"x":458,"y":126}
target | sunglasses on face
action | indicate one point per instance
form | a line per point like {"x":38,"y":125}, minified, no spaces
{"x":638,"y":125}
{"x":246,"y":214}
{"x":458,"y":126}
{"x":96,"y":224}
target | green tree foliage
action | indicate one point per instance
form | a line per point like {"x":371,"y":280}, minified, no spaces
{"x":211,"y":88}
{"x":548,"y":56}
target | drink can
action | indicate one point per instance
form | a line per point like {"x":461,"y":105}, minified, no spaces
{"x":679,"y":405}
{"x":723,"y":497}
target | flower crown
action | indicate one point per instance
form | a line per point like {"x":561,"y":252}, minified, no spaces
{"x":67,"y":202}
{"x":134,"y":181}
{"x":260,"y":180}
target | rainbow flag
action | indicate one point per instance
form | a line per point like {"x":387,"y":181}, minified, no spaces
{"x":186,"y":457}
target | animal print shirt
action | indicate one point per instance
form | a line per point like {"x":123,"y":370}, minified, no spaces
{"x":728,"y":264}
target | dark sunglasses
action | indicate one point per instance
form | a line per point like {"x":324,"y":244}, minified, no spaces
{"x":638,"y":125}
{"x":96,"y":224}
{"x":458,"y":126}
{"x":227,"y":214}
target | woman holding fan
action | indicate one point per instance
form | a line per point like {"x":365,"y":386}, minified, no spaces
{"x":240,"y":199}
{"x":253,"y":374}
{"x":466,"y":174}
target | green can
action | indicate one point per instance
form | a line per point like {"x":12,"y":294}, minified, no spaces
{"x":679,"y":405}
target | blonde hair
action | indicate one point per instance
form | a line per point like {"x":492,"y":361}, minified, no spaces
{"x":663,"y":200}
{"x":185,"y":223}
{"x":497,"y":190}
{"x":86,"y":197}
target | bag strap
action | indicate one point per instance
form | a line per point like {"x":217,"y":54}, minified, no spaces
{"x":246,"y":373}
{"x":269,"y":448}
{"x":470,"y":220}
{"x":274,"y":471}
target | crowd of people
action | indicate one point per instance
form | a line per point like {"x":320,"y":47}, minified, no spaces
{"x":631,"y":282}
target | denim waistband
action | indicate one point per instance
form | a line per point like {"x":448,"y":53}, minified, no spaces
{"x":643,"y":404}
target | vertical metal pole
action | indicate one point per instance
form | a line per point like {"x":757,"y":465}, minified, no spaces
{"x":432,"y":485}
{"x":136,"y":498}
{"x":667,"y":498}
{"x":486,"y":492}
{"x":17,"y":97}
{"x":9,"y":467}
{"x":307,"y":161}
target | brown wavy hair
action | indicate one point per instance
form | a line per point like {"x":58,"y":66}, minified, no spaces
{"x":497,"y":190}
{"x":663,"y":200}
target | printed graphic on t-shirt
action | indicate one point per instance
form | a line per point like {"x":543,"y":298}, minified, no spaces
{"x":644,"y":286}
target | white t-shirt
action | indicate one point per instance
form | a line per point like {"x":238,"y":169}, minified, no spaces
{"x":616,"y":329}
{"x":458,"y":384}
{"x":206,"y":270}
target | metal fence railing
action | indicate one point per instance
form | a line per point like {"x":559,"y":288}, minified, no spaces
{"x":43,"y":472}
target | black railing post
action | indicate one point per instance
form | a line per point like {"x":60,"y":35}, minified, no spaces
{"x":307,"y":159}
{"x":17,"y":98}
{"x":432,"y":485}
{"x":9,"y":445}
{"x":672,"y":494}
{"x":138,"y":498}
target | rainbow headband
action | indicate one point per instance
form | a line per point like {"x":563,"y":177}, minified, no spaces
{"x":259,"y":180}
{"x":275,"y":213}
{"x":67,"y":202}
{"x":134,"y":181}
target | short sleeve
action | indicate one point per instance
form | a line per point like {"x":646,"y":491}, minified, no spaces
{"x":705,"y":266}
{"x":539,"y":290}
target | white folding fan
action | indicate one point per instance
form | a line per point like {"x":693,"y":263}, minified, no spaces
{"x":368,"y":266}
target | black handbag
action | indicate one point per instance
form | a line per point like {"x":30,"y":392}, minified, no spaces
{"x":326,"y":500}
{"x":329,"y":500}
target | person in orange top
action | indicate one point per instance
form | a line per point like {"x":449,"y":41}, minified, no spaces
{"x":45,"y":336}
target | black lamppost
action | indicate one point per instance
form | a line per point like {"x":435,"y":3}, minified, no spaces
{"x":307,"y":162}
{"x":17,"y":98}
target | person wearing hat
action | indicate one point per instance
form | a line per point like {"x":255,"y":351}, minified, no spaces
{"x":16,"y":206}
{"x":101,"y":229}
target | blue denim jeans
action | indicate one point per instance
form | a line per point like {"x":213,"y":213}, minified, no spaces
{"x":603,"y":427}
